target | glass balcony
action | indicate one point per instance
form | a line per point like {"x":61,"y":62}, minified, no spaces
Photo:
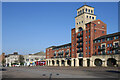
{"x":79,"y":45}
{"x":80,"y":40}
{"x":79,"y":35}
{"x":79,"y":50}
{"x":115,"y":47}
{"x":80,"y":55}
{"x":101,"y":49}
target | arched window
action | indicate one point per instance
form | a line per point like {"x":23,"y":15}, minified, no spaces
{"x":80,"y":29}
{"x":86,"y":9}
{"x":83,"y":10}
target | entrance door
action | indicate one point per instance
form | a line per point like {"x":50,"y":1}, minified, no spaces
{"x":88,"y":62}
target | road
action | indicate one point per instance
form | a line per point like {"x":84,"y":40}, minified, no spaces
{"x":60,"y":72}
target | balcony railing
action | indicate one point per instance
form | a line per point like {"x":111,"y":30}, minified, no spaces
{"x":101,"y":49}
{"x":79,"y":45}
{"x":80,"y":50}
{"x":115,"y":47}
{"x":79,"y":35}
{"x":80,"y":40}
{"x":80,"y":55}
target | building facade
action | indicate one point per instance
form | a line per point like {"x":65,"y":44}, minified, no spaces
{"x":29,"y":60}
{"x":81,"y":49}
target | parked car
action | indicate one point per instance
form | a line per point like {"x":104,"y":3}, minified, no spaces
{"x":17,"y":65}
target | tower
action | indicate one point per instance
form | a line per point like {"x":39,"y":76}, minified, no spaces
{"x":85,"y":14}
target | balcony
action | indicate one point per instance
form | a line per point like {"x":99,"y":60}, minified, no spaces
{"x":115,"y":47}
{"x":79,"y":45}
{"x":80,"y":40}
{"x":80,"y":55}
{"x":101,"y":49}
{"x":79,"y":35}
{"x":79,"y":50}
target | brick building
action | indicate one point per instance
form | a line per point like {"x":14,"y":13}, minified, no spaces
{"x":81,"y":49}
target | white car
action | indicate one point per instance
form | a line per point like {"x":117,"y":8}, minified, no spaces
{"x":17,"y":65}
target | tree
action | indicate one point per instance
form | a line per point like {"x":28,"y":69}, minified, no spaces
{"x":3,"y":62}
{"x":21,"y":59}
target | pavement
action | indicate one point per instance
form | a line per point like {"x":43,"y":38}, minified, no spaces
{"x":60,"y":72}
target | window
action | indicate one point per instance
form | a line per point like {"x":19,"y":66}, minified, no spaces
{"x":95,"y":53}
{"x":86,"y":47}
{"x":73,"y":49}
{"x":89,"y":30}
{"x":82,"y":21}
{"x":83,"y":10}
{"x":89,"y":42}
{"x":95,"y":41}
{"x":89,"y":36}
{"x":86,"y":9}
{"x":98,"y":52}
{"x":108,"y":39}
{"x":108,"y":52}
{"x":89,"y":47}
{"x":103,"y":40}
{"x":111,"y":45}
{"x":86,"y":42}
{"x":102,"y":26}
{"x":89,"y":53}
{"x":116,"y":44}
{"x":116,"y":37}
{"x":87,"y":16}
{"x":103,"y":46}
{"x":86,"y":31}
{"x":79,"y":22}
{"x":98,"y":22}
{"x":94,"y":24}
{"x":111,"y":38}
{"x":27,"y":59}
{"x":95,"y":47}
{"x":94,"y":30}
{"x":86,"y":26}
{"x":86,"y":53}
{"x":91,"y":11}
{"x":107,"y":45}
{"x":98,"y":47}
{"x":92,"y":17}
{"x":86,"y":37}
{"x":31,"y":59}
{"x":80,"y":29}
{"x":99,"y":41}
{"x":102,"y":31}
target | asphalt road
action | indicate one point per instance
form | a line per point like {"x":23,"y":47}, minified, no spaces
{"x":60,"y":72}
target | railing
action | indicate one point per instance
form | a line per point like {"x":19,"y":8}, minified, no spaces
{"x":115,"y":47}
{"x":79,"y":45}
{"x":80,"y":50}
{"x":101,"y":49}
{"x":80,"y":55}
{"x":80,"y":40}
{"x":78,"y":36}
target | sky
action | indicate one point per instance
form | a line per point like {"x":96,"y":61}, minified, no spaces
{"x":30,"y":27}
